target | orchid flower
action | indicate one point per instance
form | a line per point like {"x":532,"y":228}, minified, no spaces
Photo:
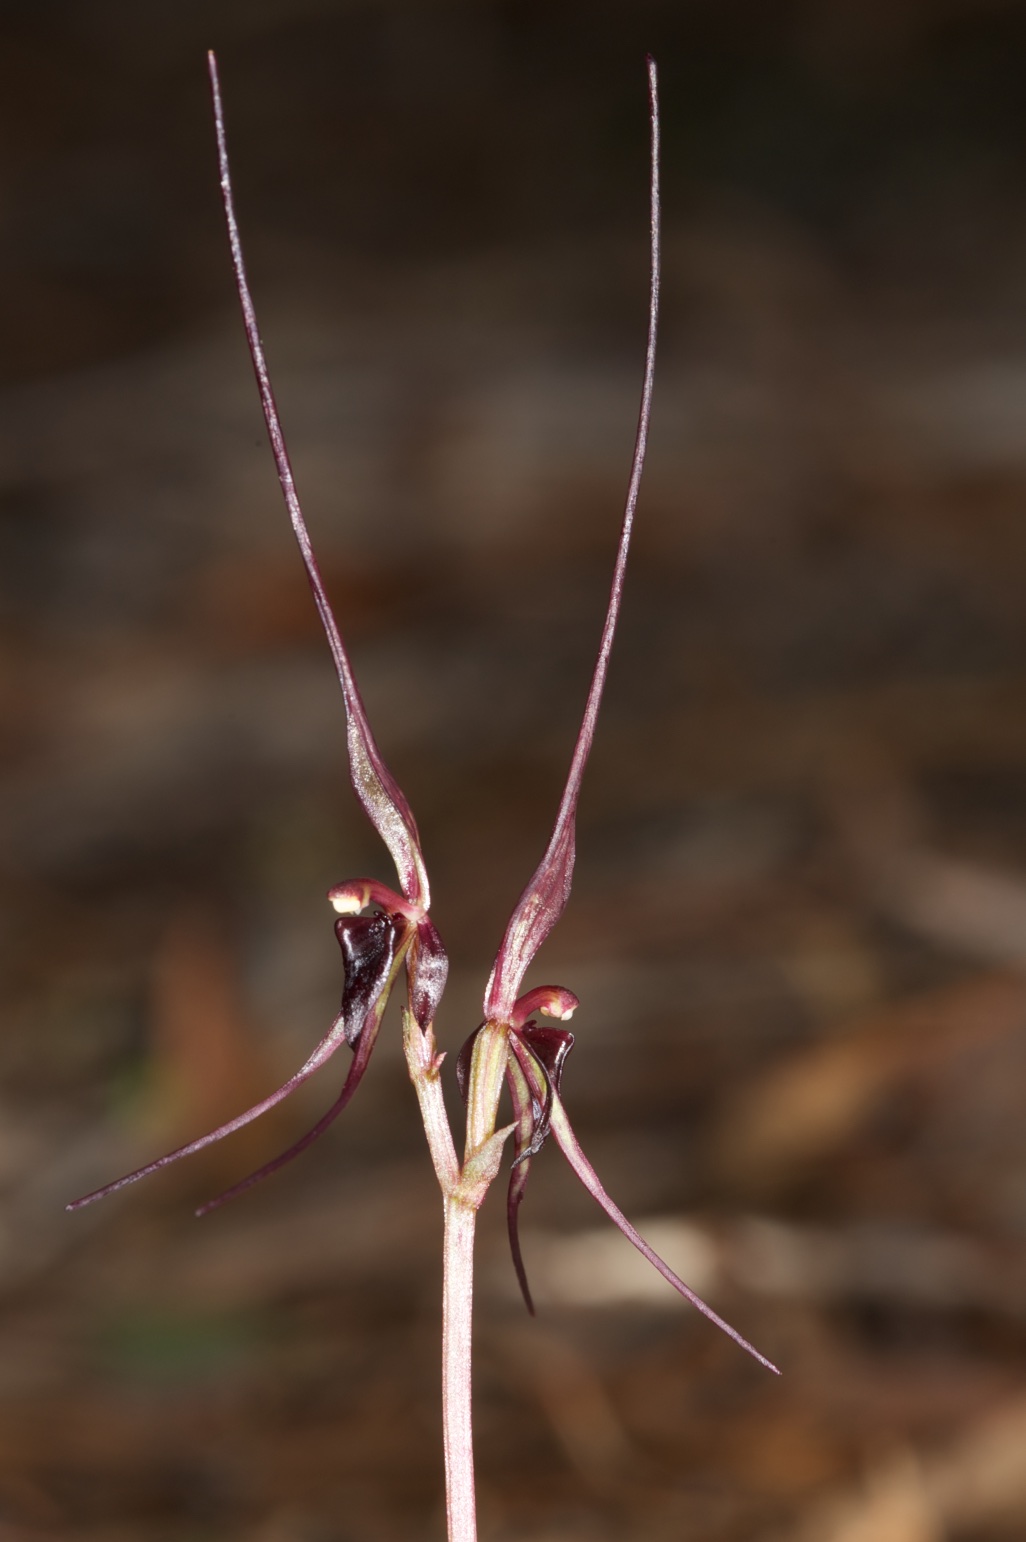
{"x":399,"y":931}
{"x":531,"y":1057}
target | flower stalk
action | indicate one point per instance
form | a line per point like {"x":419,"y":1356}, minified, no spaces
{"x":463,"y":1191}
{"x":457,"y":1360}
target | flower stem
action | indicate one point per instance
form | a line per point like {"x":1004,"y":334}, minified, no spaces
{"x":424,"y":1064}
{"x":463,"y":1189}
{"x":458,"y":1305}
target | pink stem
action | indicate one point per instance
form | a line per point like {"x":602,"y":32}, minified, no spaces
{"x":457,"y":1318}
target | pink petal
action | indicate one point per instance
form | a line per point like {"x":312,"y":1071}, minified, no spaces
{"x":356,"y":894}
{"x":550,"y":1000}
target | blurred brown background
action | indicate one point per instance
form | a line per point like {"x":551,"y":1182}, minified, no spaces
{"x":799,"y":923}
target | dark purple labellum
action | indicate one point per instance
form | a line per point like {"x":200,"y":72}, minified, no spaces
{"x":551,"y":1046}
{"x":547,"y":1049}
{"x":368,"y":946}
{"x":526,"y":1110}
{"x":429,"y":968}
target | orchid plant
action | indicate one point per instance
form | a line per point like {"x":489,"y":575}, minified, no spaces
{"x":381,"y":931}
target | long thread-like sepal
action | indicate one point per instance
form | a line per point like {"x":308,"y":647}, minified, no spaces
{"x":544,"y":900}
{"x":382,"y":799}
{"x":571,"y":1149}
{"x":340,"y":1033}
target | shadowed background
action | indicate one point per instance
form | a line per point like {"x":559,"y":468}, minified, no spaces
{"x":799,"y":920}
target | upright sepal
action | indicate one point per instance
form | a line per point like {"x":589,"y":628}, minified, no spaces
{"x":544,"y":900}
{"x":373,"y":946}
{"x":379,"y":793}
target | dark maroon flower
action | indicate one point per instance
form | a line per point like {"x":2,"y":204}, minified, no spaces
{"x":535,"y":1056}
{"x":398,"y":932}
{"x":532,"y":1109}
